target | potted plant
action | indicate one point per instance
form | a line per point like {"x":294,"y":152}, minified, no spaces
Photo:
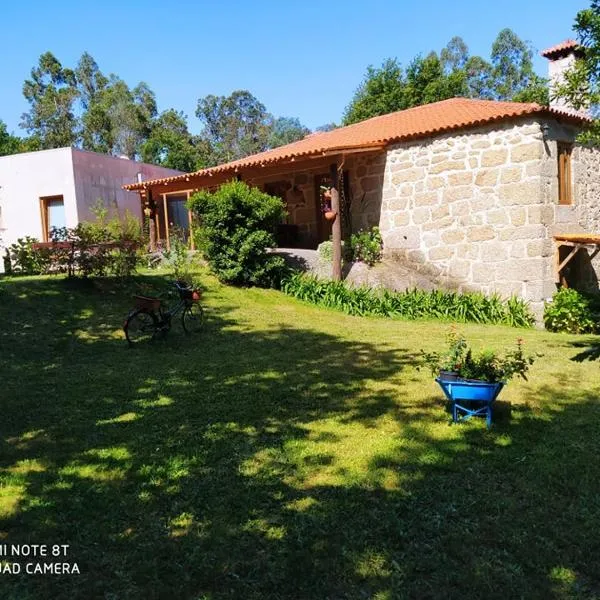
{"x":467,"y":378}
{"x":326,"y":203}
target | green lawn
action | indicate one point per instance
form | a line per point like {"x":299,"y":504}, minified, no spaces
{"x":286,"y":452}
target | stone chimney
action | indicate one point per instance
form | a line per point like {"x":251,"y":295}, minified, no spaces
{"x":562,"y":57}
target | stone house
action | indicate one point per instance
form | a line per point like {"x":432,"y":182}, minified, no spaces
{"x":468,"y":194}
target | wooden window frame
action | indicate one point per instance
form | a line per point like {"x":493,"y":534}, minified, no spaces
{"x":44,"y":212}
{"x":565,"y":173}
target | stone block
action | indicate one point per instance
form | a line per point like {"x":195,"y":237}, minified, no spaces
{"x":541,"y":213}
{"x":452,"y":194}
{"x":421,"y":215}
{"x":408,"y":237}
{"x":524,"y":269}
{"x":439,"y":212}
{"x":361,"y":171}
{"x":447,"y":165}
{"x":460,"y":209}
{"x":493,"y":251}
{"x":426,"y":199}
{"x":480,"y":233}
{"x":412,"y":174}
{"x":473,"y":162}
{"x":518,"y":249}
{"x":525,"y":152}
{"x":487,"y":177}
{"x":497,"y":216}
{"x":398,"y":204}
{"x":441,"y":253}
{"x":461,"y":178}
{"x":517,"y":216}
{"x":493,"y":158}
{"x":401,"y":218}
{"x":480,"y":144}
{"x":459,"y":268}
{"x":401,"y":166}
{"x":468,"y":251}
{"x":540,"y":248}
{"x":525,"y":232}
{"x":431,"y":239}
{"x":511,"y":175}
{"x":483,"y":273}
{"x":453,"y":236}
{"x":438,"y":224}
{"x":527,"y":192}
{"x":434,"y":183}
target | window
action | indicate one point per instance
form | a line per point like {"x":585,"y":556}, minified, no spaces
{"x":53,"y":214}
{"x":565,"y":184}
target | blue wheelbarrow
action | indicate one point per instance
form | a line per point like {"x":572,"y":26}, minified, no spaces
{"x":470,"y":398}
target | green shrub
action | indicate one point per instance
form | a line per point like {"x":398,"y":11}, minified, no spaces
{"x":24,"y":260}
{"x":366,"y":246}
{"x":411,"y":304}
{"x":237,"y":225}
{"x":104,"y":247}
{"x":571,"y":311}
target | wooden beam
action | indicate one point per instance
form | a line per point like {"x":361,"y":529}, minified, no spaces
{"x":336,"y":229}
{"x":166,"y":214}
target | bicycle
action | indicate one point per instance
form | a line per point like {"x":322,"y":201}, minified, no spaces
{"x":149,"y":318}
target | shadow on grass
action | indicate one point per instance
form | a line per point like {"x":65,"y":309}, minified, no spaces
{"x":208,"y":467}
{"x":590,"y":350}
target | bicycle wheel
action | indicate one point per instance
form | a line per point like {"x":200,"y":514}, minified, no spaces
{"x":140,"y":326}
{"x":192,"y":318}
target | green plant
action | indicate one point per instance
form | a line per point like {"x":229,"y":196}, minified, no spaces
{"x":486,"y":365}
{"x":178,"y":257}
{"x":25,"y":260}
{"x":237,"y":229}
{"x":366,"y":246}
{"x":571,"y":311}
{"x":410,"y":304}
{"x":449,"y":360}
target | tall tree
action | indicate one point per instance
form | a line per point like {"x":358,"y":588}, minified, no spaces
{"x":9,"y":144}
{"x":171,"y":145}
{"x":513,"y":74}
{"x":454,"y":55}
{"x":51,"y":92}
{"x":285,"y":130}
{"x":381,"y":92}
{"x":234,"y":126}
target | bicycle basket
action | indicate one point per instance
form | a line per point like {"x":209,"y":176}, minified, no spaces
{"x":146,"y":302}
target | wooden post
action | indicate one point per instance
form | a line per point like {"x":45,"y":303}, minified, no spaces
{"x":166,"y":213}
{"x":151,"y":220}
{"x":336,"y":229}
{"x":191,"y":231}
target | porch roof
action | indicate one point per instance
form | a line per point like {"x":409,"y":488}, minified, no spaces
{"x":378,"y":132}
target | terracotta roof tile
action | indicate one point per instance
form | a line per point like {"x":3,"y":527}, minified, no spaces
{"x":378,"y":132}
{"x":560,"y":49}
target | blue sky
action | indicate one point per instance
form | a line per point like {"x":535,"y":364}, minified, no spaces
{"x":301,"y":59}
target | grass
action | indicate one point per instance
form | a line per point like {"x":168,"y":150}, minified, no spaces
{"x":286,"y":452}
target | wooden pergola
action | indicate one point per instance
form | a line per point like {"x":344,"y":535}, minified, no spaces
{"x":576,"y":242}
